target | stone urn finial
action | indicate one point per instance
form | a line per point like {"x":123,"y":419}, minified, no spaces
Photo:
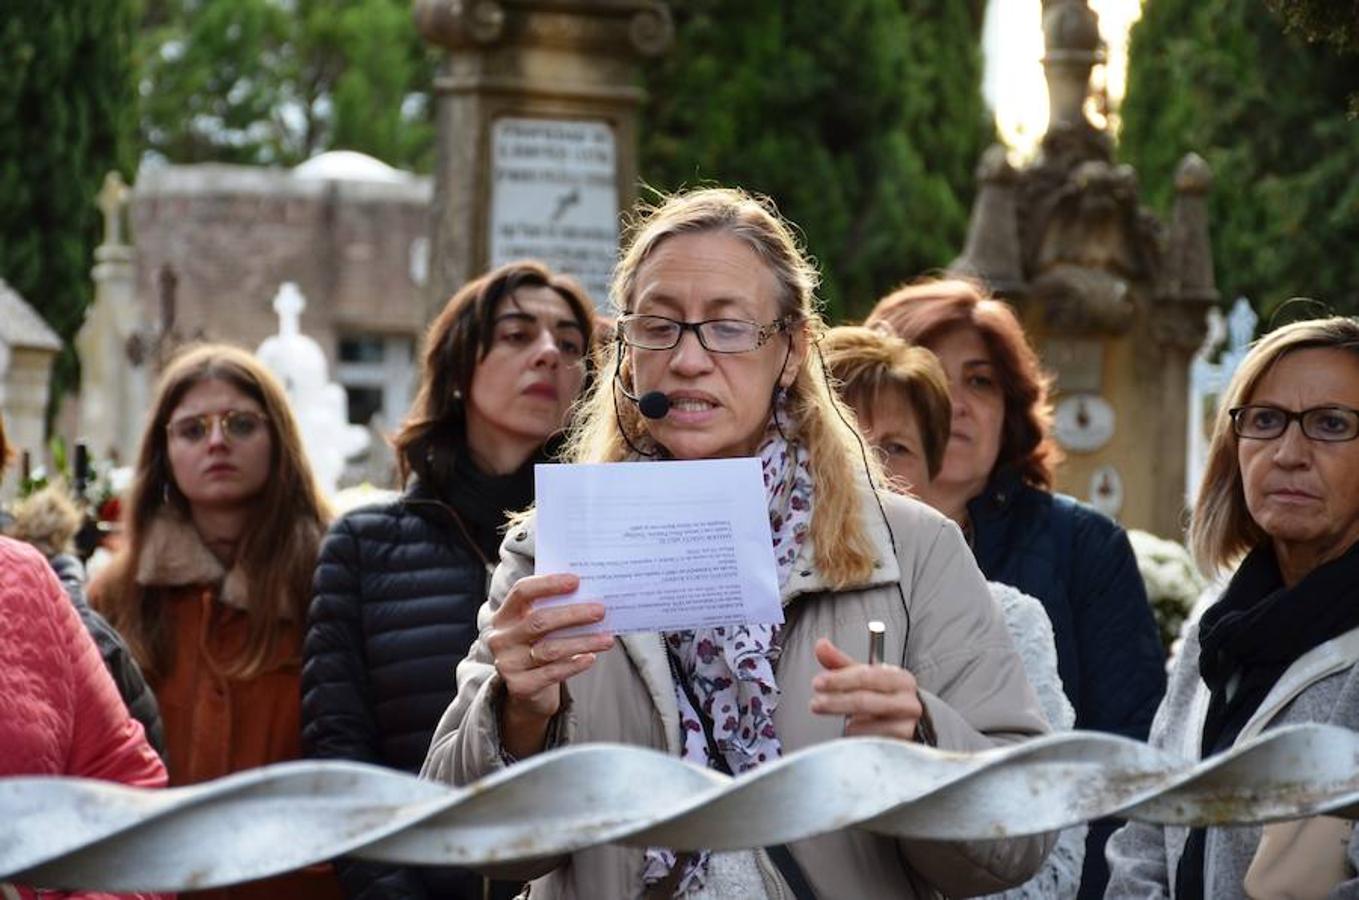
{"x":1073,"y":48}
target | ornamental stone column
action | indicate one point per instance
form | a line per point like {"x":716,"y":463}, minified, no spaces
{"x":1113,"y":299}
{"x":537,"y":106}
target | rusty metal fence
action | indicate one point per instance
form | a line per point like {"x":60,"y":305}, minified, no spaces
{"x":80,"y":834}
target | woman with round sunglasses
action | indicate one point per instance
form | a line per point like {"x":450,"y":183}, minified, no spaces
{"x":398,"y":585}
{"x":714,"y":360}
{"x":210,"y":588}
{"x":1278,"y":509}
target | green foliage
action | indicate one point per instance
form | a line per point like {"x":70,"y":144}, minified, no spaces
{"x":863,"y":120}
{"x":67,"y":117}
{"x":1335,"y":22}
{"x":275,"y":82}
{"x":1268,"y":113}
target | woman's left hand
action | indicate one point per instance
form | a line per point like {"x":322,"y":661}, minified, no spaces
{"x":879,"y":700}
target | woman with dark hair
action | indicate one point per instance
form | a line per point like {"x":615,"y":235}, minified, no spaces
{"x":996,"y":483}
{"x":398,"y":585}
{"x":1278,"y":512}
{"x":211,"y":586}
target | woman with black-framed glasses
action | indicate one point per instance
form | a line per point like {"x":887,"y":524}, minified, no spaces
{"x":1279,"y":505}
{"x":714,"y":358}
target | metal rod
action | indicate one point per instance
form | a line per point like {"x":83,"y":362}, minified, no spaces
{"x":877,"y":642}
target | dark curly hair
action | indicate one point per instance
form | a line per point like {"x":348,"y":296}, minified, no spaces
{"x":458,"y":339}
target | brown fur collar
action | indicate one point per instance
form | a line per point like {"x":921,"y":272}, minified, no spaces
{"x":173,"y":555}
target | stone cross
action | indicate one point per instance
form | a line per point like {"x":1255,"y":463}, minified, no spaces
{"x":111,"y":199}
{"x":289,"y":303}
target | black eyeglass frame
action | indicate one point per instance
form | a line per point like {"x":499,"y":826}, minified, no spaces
{"x":1289,"y":417}
{"x":762,"y":334}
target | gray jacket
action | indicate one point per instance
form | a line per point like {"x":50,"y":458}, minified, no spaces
{"x":1320,"y":686}
{"x":971,"y":681}
{"x":1031,"y":630}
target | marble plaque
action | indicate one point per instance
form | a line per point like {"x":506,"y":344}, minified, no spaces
{"x":554,"y":197}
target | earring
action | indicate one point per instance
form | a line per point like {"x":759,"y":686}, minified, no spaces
{"x":457,"y":393}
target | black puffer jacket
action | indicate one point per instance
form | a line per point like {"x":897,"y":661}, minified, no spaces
{"x":136,"y":694}
{"x":394,"y":611}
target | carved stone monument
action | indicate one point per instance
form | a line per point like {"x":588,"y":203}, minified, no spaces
{"x":28,"y":347}
{"x":1113,"y":300}
{"x":537,"y":107}
{"x":114,"y":385}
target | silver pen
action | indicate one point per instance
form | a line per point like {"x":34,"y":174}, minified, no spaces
{"x":877,"y":642}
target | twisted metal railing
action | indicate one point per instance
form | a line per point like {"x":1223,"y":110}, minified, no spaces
{"x":80,"y":834}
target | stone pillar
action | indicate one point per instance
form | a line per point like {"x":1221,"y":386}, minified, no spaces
{"x":992,"y":251}
{"x":537,"y":108}
{"x":114,"y":387}
{"x":1188,"y":290}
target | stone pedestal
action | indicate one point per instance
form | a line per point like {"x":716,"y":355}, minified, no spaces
{"x":537,"y":107}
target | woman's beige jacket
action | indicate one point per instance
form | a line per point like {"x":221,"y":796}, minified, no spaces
{"x":971,"y":681}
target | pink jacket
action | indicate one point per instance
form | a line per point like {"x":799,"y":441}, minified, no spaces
{"x":60,"y":713}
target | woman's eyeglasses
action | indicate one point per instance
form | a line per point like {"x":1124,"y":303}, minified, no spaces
{"x":715,"y":335}
{"x":237,"y":425}
{"x":1320,"y":423}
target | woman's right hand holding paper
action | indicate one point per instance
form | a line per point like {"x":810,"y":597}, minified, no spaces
{"x":533,"y":659}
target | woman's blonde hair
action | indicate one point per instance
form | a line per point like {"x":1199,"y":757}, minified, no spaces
{"x":870,"y":364}
{"x":844,"y":553}
{"x":277,"y":553}
{"x":1221,"y":530}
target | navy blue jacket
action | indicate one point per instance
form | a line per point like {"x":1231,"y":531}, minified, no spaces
{"x":393,"y":612}
{"x":1080,"y":564}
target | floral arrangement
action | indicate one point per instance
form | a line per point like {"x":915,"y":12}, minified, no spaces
{"x":1174,"y":584}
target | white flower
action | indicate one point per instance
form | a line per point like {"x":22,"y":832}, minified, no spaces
{"x":1173,"y":582}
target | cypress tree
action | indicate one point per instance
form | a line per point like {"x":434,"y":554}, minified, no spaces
{"x":863,"y":120}
{"x":1268,"y":112}
{"x":67,"y":117}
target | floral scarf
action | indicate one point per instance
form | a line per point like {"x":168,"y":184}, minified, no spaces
{"x":731,"y":669}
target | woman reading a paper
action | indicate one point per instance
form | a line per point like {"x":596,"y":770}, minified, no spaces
{"x":715,"y":358}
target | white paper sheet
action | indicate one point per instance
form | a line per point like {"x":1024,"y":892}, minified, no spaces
{"x":665,"y":546}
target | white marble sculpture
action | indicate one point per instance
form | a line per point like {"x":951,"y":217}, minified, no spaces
{"x":318,"y":403}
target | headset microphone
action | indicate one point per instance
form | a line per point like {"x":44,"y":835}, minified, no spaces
{"x":653,"y":405}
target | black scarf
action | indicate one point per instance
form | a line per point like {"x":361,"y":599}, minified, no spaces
{"x":483,"y":502}
{"x":1252,"y":635}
